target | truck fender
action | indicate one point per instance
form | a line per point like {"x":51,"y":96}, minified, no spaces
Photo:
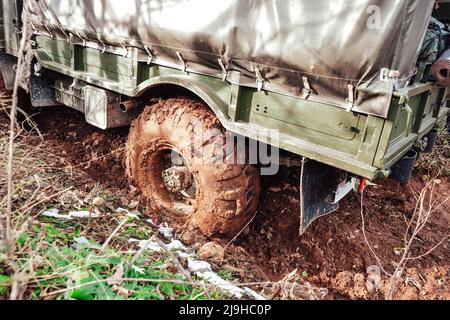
{"x":203,"y":92}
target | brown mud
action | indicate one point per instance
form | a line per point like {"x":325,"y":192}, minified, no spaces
{"x":332,"y":254}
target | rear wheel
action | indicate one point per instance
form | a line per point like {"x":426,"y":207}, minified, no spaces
{"x":178,"y":158}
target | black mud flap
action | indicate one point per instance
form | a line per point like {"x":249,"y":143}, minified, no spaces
{"x":318,"y":187}
{"x":41,"y":93}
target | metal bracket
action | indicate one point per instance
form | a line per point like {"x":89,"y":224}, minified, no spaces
{"x":306,"y":92}
{"x":73,"y":84}
{"x":404,"y":103}
{"x":260,"y":81}
{"x":224,"y":70}
{"x":150,"y":55}
{"x":350,"y":102}
{"x":345,"y":187}
{"x":183,"y":62}
{"x":37,"y":69}
{"x":387,"y":74}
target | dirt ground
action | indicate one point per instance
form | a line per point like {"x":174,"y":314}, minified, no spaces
{"x":332,"y":254}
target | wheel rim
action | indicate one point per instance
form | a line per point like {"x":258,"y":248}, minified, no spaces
{"x":171,"y":182}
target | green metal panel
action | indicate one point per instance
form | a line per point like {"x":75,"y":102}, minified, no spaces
{"x":363,"y":145}
{"x":9,"y":25}
{"x":60,"y":52}
{"x":311,"y":121}
{"x":427,"y":103}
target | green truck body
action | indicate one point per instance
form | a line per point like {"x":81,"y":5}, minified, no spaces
{"x":362,"y":144}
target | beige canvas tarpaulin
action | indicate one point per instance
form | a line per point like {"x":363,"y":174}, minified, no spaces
{"x":337,"y":47}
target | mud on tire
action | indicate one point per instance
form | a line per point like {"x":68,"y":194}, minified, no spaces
{"x":226,"y":194}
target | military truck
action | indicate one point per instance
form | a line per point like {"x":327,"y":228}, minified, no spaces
{"x":335,"y":85}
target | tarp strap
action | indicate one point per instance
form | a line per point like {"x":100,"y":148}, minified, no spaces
{"x":36,"y":30}
{"x":61,"y":28}
{"x":260,"y":81}
{"x":183,"y":62}
{"x":306,"y":88}
{"x":125,"y":48}
{"x":150,"y":55}
{"x":224,"y":70}
{"x":350,"y":102}
{"x":48,"y":30}
{"x":103,"y":44}
{"x":82,"y":39}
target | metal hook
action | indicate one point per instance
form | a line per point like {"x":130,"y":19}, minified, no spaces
{"x":64,"y":32}
{"x":260,"y":81}
{"x":306,"y":88}
{"x":224,"y":70}
{"x":126,"y":49}
{"x":182,"y":61}
{"x":103,"y":44}
{"x":48,"y":29}
{"x":82,"y":39}
{"x":350,"y":102}
{"x":150,"y":56}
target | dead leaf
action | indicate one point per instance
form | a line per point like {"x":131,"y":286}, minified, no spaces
{"x":275,"y":189}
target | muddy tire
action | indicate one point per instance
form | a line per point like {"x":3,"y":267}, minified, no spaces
{"x":223,"y":195}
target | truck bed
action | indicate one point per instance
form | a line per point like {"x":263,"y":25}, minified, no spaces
{"x":362,"y":143}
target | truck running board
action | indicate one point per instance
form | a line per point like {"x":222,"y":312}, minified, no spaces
{"x":318,"y":185}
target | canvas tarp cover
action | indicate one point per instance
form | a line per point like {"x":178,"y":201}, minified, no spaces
{"x":334,"y":44}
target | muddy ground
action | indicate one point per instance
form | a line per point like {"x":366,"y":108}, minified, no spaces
{"x":332,"y":254}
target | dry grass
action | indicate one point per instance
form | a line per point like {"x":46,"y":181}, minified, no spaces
{"x":48,"y":260}
{"x":438,"y":162}
{"x":433,"y":167}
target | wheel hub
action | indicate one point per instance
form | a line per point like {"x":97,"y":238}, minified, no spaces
{"x":178,"y":178}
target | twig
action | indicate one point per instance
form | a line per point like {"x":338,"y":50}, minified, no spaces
{"x":279,"y":285}
{"x":112,"y":235}
{"x":363,"y":227}
{"x":240,"y":232}
{"x":24,"y":59}
{"x":431,"y":250}
{"x":421,"y":217}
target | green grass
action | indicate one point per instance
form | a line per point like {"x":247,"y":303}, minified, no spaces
{"x":51,"y":262}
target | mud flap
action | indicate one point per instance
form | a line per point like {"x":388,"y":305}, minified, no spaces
{"x":8,"y":66}
{"x":318,"y":185}
{"x":41,"y":93}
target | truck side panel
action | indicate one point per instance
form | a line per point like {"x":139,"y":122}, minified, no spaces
{"x":319,"y":128}
{"x":361,"y":144}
